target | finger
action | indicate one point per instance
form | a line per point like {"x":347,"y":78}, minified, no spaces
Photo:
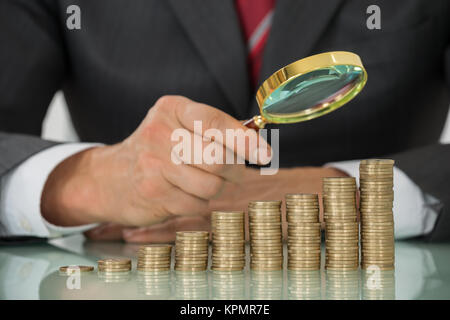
{"x":105,"y":232}
{"x":194,"y":181}
{"x":165,"y":232}
{"x":213,"y":120}
{"x":211,"y":157}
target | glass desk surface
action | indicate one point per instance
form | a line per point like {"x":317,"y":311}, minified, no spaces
{"x":32,"y":272}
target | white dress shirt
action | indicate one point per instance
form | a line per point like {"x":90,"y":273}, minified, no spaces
{"x":21,"y":191}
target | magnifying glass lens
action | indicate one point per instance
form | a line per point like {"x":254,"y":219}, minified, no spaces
{"x":320,"y":88}
{"x":309,"y":88}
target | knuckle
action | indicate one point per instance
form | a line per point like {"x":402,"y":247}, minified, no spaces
{"x":156,"y":131}
{"x":162,"y":102}
{"x":167,"y":102}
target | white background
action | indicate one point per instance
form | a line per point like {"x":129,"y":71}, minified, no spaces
{"x":58,"y":126}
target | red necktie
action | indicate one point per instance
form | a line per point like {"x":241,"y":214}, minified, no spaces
{"x":256,"y":18}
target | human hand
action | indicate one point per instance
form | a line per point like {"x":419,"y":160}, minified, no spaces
{"x":135,"y":182}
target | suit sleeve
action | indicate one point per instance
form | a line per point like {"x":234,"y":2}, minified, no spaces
{"x":32,"y":67}
{"x":429,"y":167}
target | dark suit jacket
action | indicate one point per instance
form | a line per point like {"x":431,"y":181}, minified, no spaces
{"x":130,"y":52}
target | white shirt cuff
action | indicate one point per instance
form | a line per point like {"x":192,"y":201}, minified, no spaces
{"x":21,"y":191}
{"x":413,"y":214}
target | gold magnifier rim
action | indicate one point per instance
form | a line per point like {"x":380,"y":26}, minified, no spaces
{"x":303,"y":66}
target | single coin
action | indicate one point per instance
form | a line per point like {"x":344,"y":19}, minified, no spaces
{"x":114,"y":261}
{"x":74,"y":268}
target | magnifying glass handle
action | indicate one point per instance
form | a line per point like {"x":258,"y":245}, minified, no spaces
{"x":256,"y":123}
{"x":250,"y":123}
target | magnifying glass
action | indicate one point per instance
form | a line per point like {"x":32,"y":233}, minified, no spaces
{"x":309,"y":88}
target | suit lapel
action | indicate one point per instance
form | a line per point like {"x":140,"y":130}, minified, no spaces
{"x":297,"y":26}
{"x":213,"y":27}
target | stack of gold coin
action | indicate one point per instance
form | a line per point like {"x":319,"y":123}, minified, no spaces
{"x":304,"y":236}
{"x":191,"y":250}
{"x":154,"y":257}
{"x":342,"y":228}
{"x":228,"y":236}
{"x":114,"y":265}
{"x":377,"y":219}
{"x":266,"y":246}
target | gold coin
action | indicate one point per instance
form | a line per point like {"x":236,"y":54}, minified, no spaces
{"x":293,"y":242}
{"x":188,"y":268}
{"x":228,"y":213}
{"x":266,"y":264}
{"x":113,"y":269}
{"x":375,"y":220}
{"x":295,"y":268}
{"x":73,"y":268}
{"x":265,"y":225}
{"x":266,"y":255}
{"x":312,"y":196}
{"x":342,"y":225}
{"x":227,"y":225}
{"x":265,"y":203}
{"x":262,"y":268}
{"x":339,"y":180}
{"x":265,"y":231}
{"x":291,"y":220}
{"x":156,"y":247}
{"x":154,"y":257}
{"x":305,"y":226}
{"x":302,"y":209}
{"x":107,"y":269}
{"x":226,"y":268}
{"x":377,"y":162}
{"x":336,"y":197}
{"x":114,"y":261}
{"x":302,"y":213}
{"x":219,"y":247}
{"x":194,"y":234}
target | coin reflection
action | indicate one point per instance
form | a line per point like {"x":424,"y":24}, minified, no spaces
{"x":378,"y":284}
{"x":114,"y":277}
{"x":266,"y":285}
{"x":228,"y":285}
{"x":304,"y":285}
{"x":343,"y":284}
{"x":154,"y":284}
{"x":191,"y":285}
